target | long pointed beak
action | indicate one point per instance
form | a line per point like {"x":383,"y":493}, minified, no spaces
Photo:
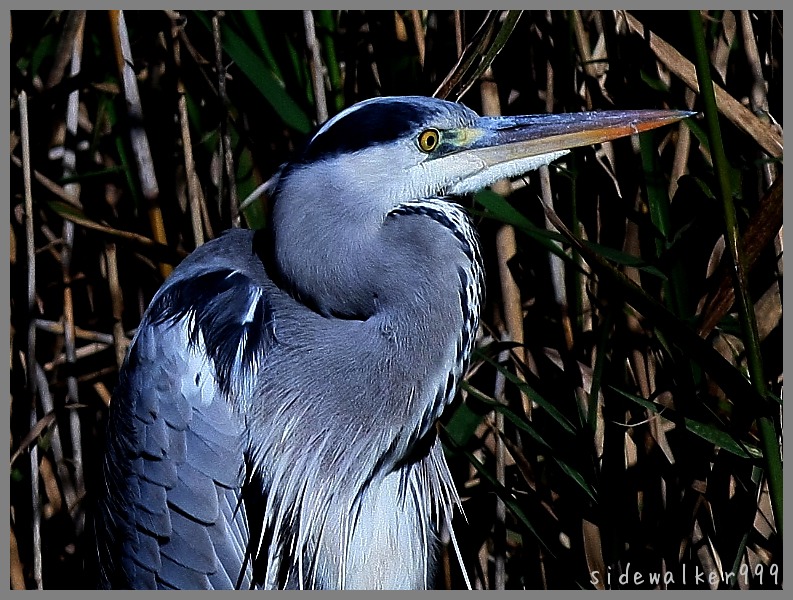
{"x":507,"y":138}
{"x":510,"y":146}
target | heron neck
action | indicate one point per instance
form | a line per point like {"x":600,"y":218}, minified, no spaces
{"x":431,"y":311}
{"x":358,"y":397}
{"x":415,"y":267}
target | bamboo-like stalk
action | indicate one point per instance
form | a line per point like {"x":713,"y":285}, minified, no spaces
{"x":81,"y":352}
{"x":30,"y":243}
{"x":38,"y":577}
{"x":31,"y":345}
{"x":557,"y":266}
{"x":512,"y":306}
{"x":226,"y":153}
{"x":458,"y":32}
{"x":499,"y":535}
{"x":16,"y":569}
{"x":315,"y":63}
{"x":759,"y":96}
{"x":768,"y":434}
{"x":56,"y":327}
{"x":73,"y":188}
{"x":327,"y":23}
{"x":137,"y":134}
{"x":418,"y":34}
{"x":61,"y":462}
{"x":682,"y":150}
{"x":50,"y":185}
{"x":194,"y":192}
{"x":119,"y":339}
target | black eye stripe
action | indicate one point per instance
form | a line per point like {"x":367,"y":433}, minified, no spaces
{"x":382,"y":121}
{"x":367,"y":126}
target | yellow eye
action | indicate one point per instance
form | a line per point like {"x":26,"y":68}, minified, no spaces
{"x":429,"y":139}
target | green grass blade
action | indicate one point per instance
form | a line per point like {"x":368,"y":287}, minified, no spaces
{"x":254,"y":68}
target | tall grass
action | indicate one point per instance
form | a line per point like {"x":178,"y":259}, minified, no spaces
{"x":622,"y":416}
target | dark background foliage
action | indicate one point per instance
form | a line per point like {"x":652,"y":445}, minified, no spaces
{"x":608,"y":423}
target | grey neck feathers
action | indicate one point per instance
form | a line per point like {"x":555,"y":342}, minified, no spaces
{"x":351,"y":255}
{"x":411,"y":275}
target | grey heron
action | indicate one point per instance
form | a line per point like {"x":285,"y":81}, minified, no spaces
{"x":274,"y":421}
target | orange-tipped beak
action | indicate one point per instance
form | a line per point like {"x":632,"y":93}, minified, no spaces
{"x":496,"y":147}
{"x":534,"y":135}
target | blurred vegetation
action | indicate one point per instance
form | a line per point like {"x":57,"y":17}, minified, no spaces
{"x":623,"y":412}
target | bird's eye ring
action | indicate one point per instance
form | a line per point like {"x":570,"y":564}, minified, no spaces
{"x":429,"y":140}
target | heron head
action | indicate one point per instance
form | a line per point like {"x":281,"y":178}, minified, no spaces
{"x":376,"y":159}
{"x":391,"y":150}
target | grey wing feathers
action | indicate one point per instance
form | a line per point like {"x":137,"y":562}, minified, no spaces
{"x":175,"y":458}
